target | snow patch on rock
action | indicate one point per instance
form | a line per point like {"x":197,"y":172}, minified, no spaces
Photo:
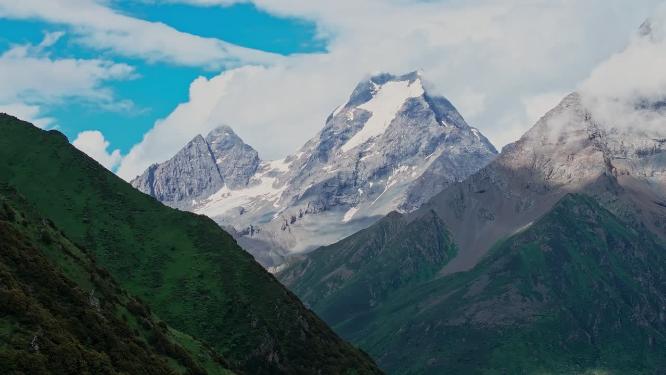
{"x":384,"y":106}
{"x":323,"y":193}
{"x":349,"y":214}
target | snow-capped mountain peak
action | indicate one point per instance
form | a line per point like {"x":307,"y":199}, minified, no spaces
{"x":390,"y":147}
{"x":201,"y":168}
{"x":387,"y":99}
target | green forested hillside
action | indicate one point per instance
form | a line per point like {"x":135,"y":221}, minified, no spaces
{"x":576,"y":292}
{"x":347,"y":280}
{"x":60,"y":313}
{"x":183,"y":266}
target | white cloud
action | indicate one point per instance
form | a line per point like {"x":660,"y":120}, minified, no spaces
{"x":30,"y":113}
{"x":624,"y":90}
{"x":31,"y":80}
{"x":93,"y":143}
{"x":537,"y":105}
{"x":470,"y":103}
{"x":43,"y":79}
{"x":102,"y":28}
{"x":486,"y":56}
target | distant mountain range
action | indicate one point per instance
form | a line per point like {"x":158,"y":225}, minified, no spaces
{"x":397,"y":240}
{"x":391,"y":146}
{"x":551,"y":259}
{"x":96,"y":277}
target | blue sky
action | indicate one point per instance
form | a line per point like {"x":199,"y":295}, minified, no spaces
{"x":159,"y":86}
{"x":130,"y":82}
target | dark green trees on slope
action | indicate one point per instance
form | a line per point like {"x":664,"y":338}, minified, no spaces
{"x":577,"y":291}
{"x":60,"y":313}
{"x":190,"y":272}
{"x":344,"y":282}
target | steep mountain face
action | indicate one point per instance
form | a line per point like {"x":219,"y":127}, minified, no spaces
{"x":579,"y":291}
{"x":61,"y":313}
{"x":512,"y":265}
{"x":200,"y":169}
{"x":566,"y":151}
{"x":188,"y":271}
{"x":345,"y":281}
{"x":391,"y":146}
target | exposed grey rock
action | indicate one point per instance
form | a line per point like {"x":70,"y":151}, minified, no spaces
{"x":200,"y":169}
{"x":391,"y":146}
{"x":190,"y":174}
{"x":566,"y":151}
{"x":236,"y":161}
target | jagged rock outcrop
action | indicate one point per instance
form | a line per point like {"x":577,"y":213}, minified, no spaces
{"x":200,"y":169}
{"x":236,"y":161}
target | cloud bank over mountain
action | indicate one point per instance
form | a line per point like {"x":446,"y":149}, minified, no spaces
{"x":630,"y":87}
{"x":501,"y":63}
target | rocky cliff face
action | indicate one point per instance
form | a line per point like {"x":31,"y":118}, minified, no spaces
{"x":200,"y":169}
{"x":566,"y":151}
{"x":391,"y":146}
{"x":523,"y":259}
{"x":236,"y":161}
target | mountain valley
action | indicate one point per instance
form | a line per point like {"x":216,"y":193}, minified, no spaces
{"x":542,"y":257}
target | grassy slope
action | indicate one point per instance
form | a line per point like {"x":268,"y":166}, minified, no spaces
{"x":184,"y":266}
{"x":60,"y":313}
{"x":346,"y":281}
{"x":577,"y":292}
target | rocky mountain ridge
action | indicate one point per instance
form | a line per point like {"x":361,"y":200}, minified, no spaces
{"x":566,"y":151}
{"x":550,"y":252}
{"x":578,"y":291}
{"x":391,"y":146}
{"x":201,"y":168}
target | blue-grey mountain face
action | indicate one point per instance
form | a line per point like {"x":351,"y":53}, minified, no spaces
{"x":391,"y":146}
{"x":236,"y":161}
{"x":189,"y":174}
{"x":200,"y":169}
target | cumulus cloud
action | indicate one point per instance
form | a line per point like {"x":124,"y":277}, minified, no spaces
{"x":43,"y":79}
{"x":187,"y":120}
{"x":93,"y":143}
{"x":485,"y":56}
{"x":100,"y":27}
{"x":629,"y":89}
{"x":31,"y":79}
